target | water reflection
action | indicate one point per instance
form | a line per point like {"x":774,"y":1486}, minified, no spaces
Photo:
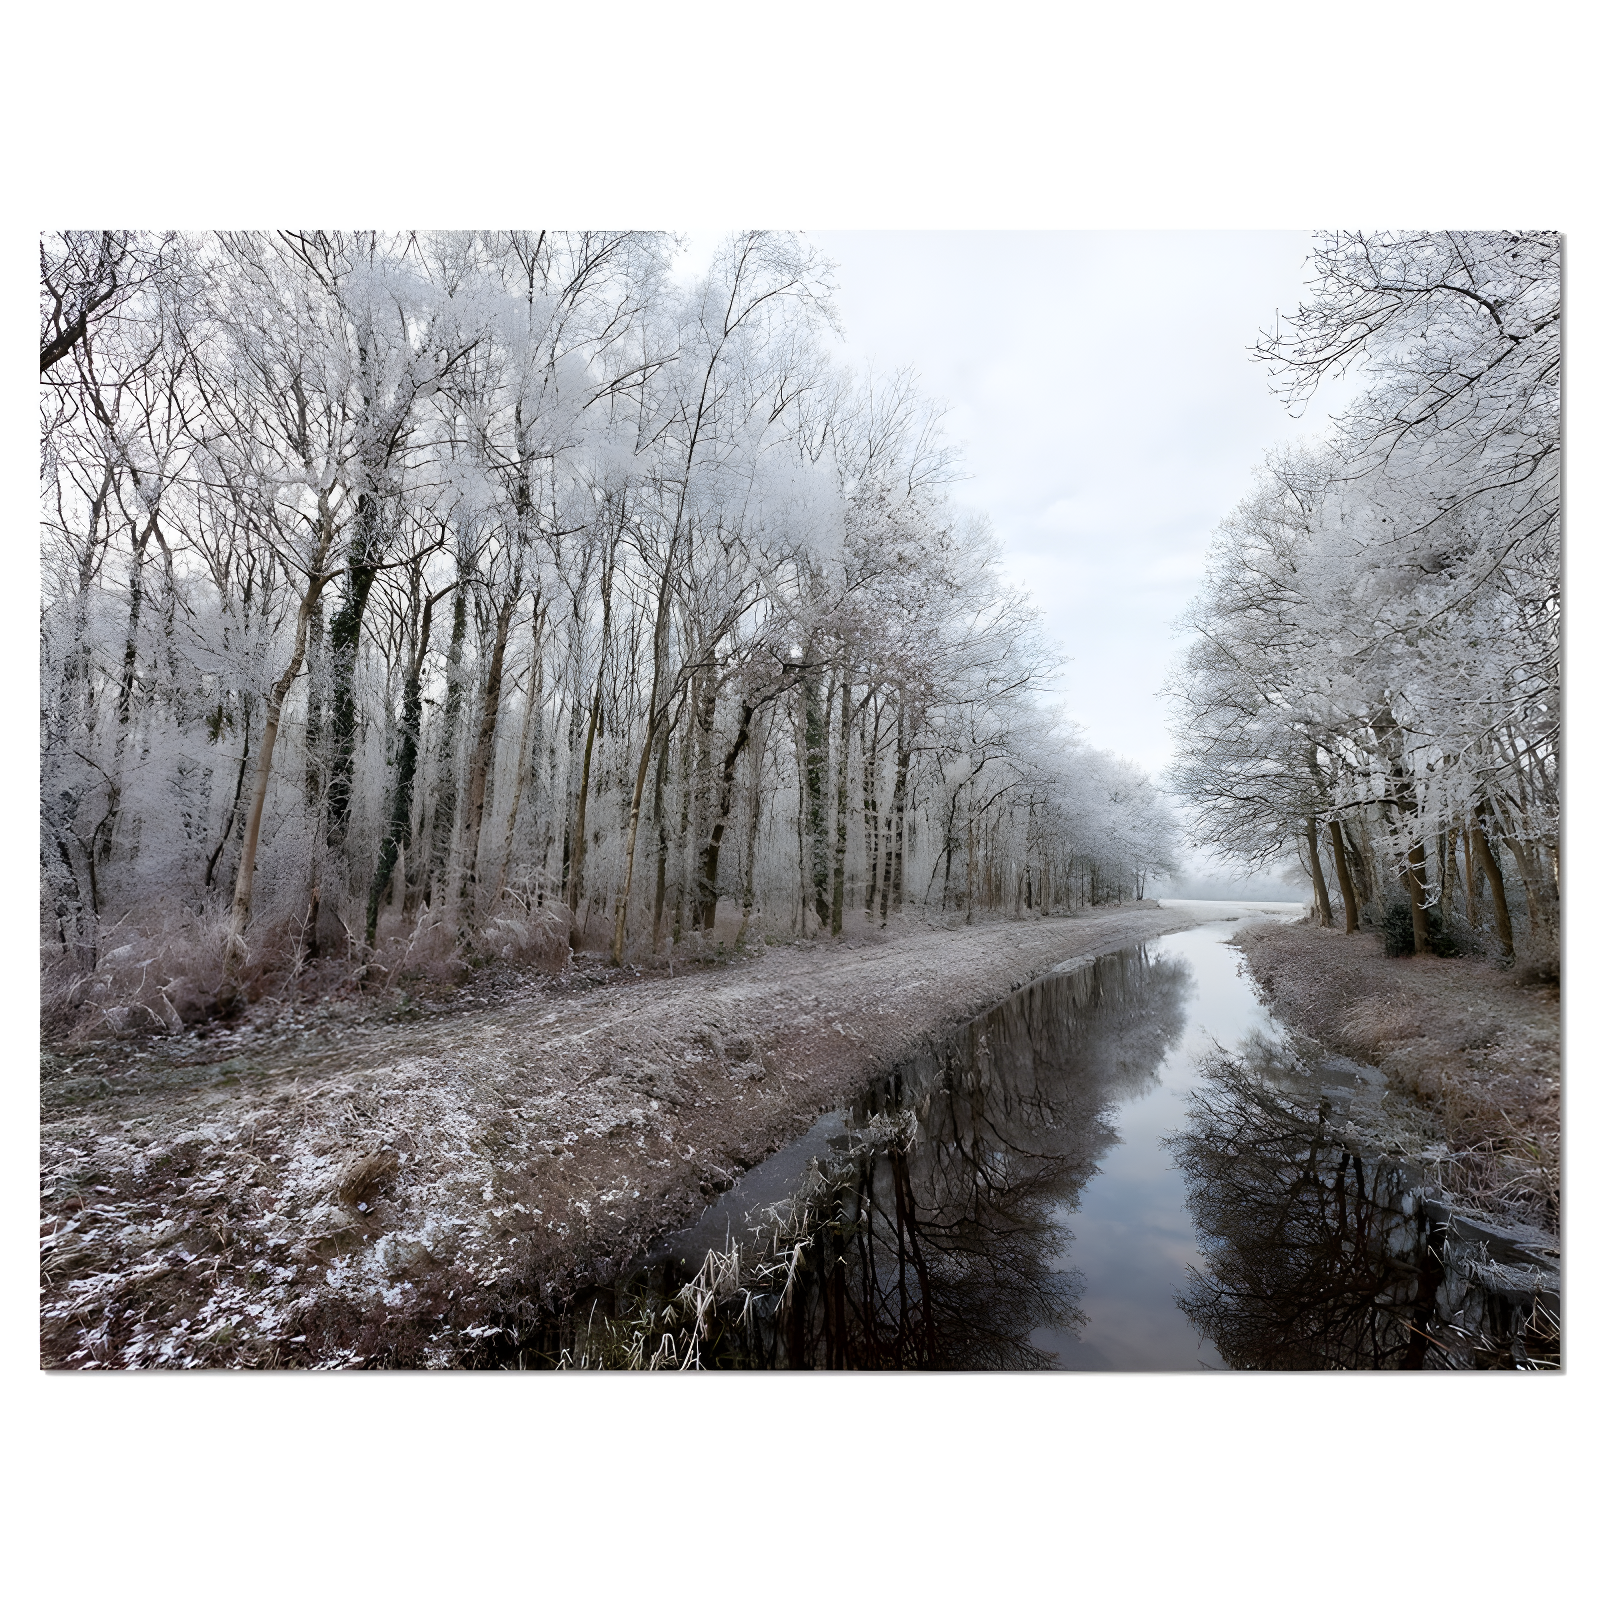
{"x":933,"y":1236}
{"x":1318,"y":1258}
{"x":1146,"y":1102}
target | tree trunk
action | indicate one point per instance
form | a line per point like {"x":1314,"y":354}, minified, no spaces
{"x":713,"y":850}
{"x":238,"y":791}
{"x":1417,"y":887}
{"x":1497,"y":887}
{"x":869,"y":804}
{"x":444,"y":810}
{"x":1341,"y":865}
{"x":663,"y":840}
{"x":754,"y":825}
{"x":483,"y":753}
{"x":842,"y":822}
{"x":658,"y":672}
{"x":697,"y":774}
{"x":1470,"y":874}
{"x":580,"y":839}
{"x":316,"y":733}
{"x":397,"y":835}
{"x":947,"y":854}
{"x":105,"y":832}
{"x":800,"y":810}
{"x":971,"y":865}
{"x":894,"y":867}
{"x":1358,"y":852}
{"x":816,"y":764}
{"x":532,"y":737}
{"x":269,"y":737}
{"x":1528,"y":871}
{"x":1416,"y":861}
{"x":130,"y":649}
{"x":683,"y":888}
{"x":344,"y":643}
{"x":1319,"y":884}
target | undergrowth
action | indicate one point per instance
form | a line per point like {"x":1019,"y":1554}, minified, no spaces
{"x":172,"y":972}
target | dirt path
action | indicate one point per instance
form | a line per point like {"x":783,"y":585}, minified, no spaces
{"x":399,"y":1193}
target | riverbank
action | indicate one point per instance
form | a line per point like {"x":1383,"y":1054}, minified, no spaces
{"x":1473,"y":1059}
{"x":398,"y":1193}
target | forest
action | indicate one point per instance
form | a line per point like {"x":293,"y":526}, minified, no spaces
{"x":413,"y":602}
{"x":1373,"y":675}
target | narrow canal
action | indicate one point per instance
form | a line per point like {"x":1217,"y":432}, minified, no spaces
{"x":1125,"y":1167}
{"x":1133,"y":1236}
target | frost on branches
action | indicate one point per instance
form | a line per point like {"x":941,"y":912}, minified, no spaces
{"x":426,"y":599}
{"x":1374,"y":677}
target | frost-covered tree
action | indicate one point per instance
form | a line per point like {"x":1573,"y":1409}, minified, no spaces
{"x":419,"y":598}
{"x":1375,"y":662}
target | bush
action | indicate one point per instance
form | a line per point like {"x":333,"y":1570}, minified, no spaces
{"x":166,"y":976}
{"x":1398,"y":939}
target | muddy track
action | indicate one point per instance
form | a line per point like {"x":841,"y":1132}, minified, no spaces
{"x":403,"y":1193}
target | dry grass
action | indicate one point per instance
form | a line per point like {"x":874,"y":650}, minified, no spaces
{"x":170,"y":974}
{"x":1476,"y":1050}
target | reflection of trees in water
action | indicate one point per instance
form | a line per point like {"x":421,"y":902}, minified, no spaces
{"x":1295,"y":1275}
{"x":1309,"y":1266}
{"x":938,"y":1250}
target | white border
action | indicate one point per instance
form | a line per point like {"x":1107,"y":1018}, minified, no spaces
{"x":702,"y":116}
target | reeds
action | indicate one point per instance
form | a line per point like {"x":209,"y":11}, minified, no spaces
{"x":744,"y":1282}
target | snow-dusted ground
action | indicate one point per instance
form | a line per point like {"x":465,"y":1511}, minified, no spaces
{"x":398,"y":1193}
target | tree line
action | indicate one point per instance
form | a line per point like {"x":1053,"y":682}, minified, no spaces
{"x":509,"y":586}
{"x":1373,"y":681}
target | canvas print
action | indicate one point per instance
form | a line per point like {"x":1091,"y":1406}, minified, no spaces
{"x":787,"y":801}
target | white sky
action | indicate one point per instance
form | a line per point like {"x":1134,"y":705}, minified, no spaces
{"x":1099,"y":390}
{"x":1100,"y":393}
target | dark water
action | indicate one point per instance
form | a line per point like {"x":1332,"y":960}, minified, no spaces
{"x":1122,"y":1168}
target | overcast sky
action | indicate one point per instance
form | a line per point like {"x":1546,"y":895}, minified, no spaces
{"x":1099,"y":390}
